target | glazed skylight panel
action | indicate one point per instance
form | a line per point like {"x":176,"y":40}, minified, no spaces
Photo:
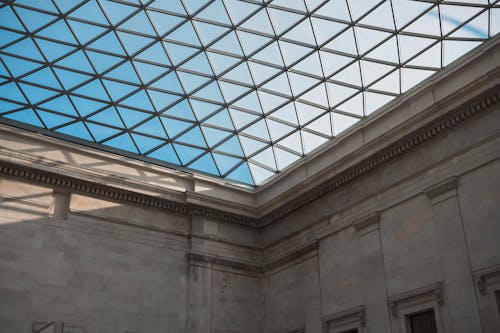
{"x":238,"y":89}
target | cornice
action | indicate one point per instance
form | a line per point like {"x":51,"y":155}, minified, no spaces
{"x":75,"y":185}
{"x":395,"y":150}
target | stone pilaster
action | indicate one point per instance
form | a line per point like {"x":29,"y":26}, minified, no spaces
{"x":377,"y":315}
{"x":460,"y":299}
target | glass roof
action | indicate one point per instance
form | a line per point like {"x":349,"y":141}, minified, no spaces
{"x":239,"y":89}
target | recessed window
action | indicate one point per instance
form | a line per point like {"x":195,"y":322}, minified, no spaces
{"x":423,"y":322}
{"x":497,"y":297}
{"x":354,"y":330}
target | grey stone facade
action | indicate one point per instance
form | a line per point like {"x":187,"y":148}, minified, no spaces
{"x":98,"y":243}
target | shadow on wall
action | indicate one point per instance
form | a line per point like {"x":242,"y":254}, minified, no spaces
{"x":82,"y":273}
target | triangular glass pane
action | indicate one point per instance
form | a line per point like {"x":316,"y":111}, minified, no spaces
{"x":179,"y":53}
{"x":284,"y":158}
{"x":354,"y":105}
{"x":76,"y":61}
{"x":350,"y":75}
{"x":369,"y":38}
{"x":239,"y":10}
{"x":60,"y":31}
{"x":164,"y":22}
{"x":70,"y":79}
{"x":162,"y":100}
{"x":170,"y":5}
{"x":277,"y":130}
{"x":194,"y":5}
{"x":428,"y":24}
{"x":145,"y":143}
{"x":152,"y":127}
{"x":85,"y":32}
{"x":301,"y":83}
{"x":123,"y":142}
{"x":229,"y":43}
{"x":242,"y":174}
{"x":222,"y":62}
{"x":270,"y":101}
{"x":53,"y":51}
{"x":11,"y":91}
{"x":116,"y":11}
{"x":391,"y":83}
{"x":283,"y":20}
{"x":241,"y":118}
{"x":101,"y":61}
{"x":225,"y":163}
{"x":37,"y":94}
{"x":215,"y":12}
{"x":373,"y":71}
{"x":317,"y":95}
{"x":265,"y":157}
{"x":9,"y":19}
{"x":108,"y":116}
{"x":187,"y":154}
{"x":77,"y":129}
{"x":310,"y":65}
{"x":93,"y":89}
{"x":138,"y":100}
{"x":175,"y":127}
{"x":260,"y":174}
{"x":25,"y":48}
{"x":108,"y":43}
{"x":302,"y":33}
{"x":259,"y":22}
{"x":250,"y":146}
{"x":453,"y":16}
{"x":261,"y":73}
{"x":60,"y":104}
{"x":148,"y":72}
{"x":338,"y":93}
{"x":191,"y":82}
{"x":251,"y":42}
{"x":306,"y":112}
{"x":221,"y":119}
{"x":232,"y":91}
{"x":205,"y":164}
{"x":134,"y":43}
{"x":336,"y":9}
{"x":286,"y":113}
{"x":342,"y":122}
{"x":181,"y":110}
{"x":270,"y":54}
{"x":249,"y":102}
{"x":407,"y":10}
{"x":101,"y":133}
{"x":476,"y":28}
{"x":210,"y":92}
{"x":429,"y":58}
{"x":90,"y":11}
{"x":452,"y":50}
{"x":214,"y":136}
{"x":311,"y":141}
{"x":52,"y":120}
{"x":124,"y":72}
{"x":258,"y":130}
{"x":344,"y":43}
{"x":387,"y":51}
{"x":86,"y":106}
{"x":154,"y":53}
{"x":7,"y":37}
{"x":380,"y":17}
{"x":132,"y":117}
{"x":324,"y":30}
{"x":321,"y":125}
{"x":293,"y":52}
{"x":375,"y":101}
{"x":209,"y":32}
{"x":166,"y":153}
{"x":18,"y":66}
{"x":185,"y":34}
{"x":199,"y":64}
{"x":27,"y":116}
{"x":231,"y":146}
{"x":139,"y":23}
{"x":279,"y":85}
{"x":203,"y":109}
{"x":411,"y":45}
{"x":168,"y":82}
{"x":44,"y":77}
{"x":118,"y":90}
{"x":34,"y":20}
{"x":293,"y":142}
{"x":240,"y":73}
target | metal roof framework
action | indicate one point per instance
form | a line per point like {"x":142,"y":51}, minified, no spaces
{"x":238,"y":89}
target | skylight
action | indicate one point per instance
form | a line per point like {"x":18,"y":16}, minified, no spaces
{"x":238,"y":89}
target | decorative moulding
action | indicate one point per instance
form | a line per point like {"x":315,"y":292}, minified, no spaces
{"x":480,"y":277}
{"x":367,"y":223}
{"x":433,"y":292}
{"x":446,"y":186}
{"x":356,"y":315}
{"x":196,"y":257}
{"x":296,"y":254}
